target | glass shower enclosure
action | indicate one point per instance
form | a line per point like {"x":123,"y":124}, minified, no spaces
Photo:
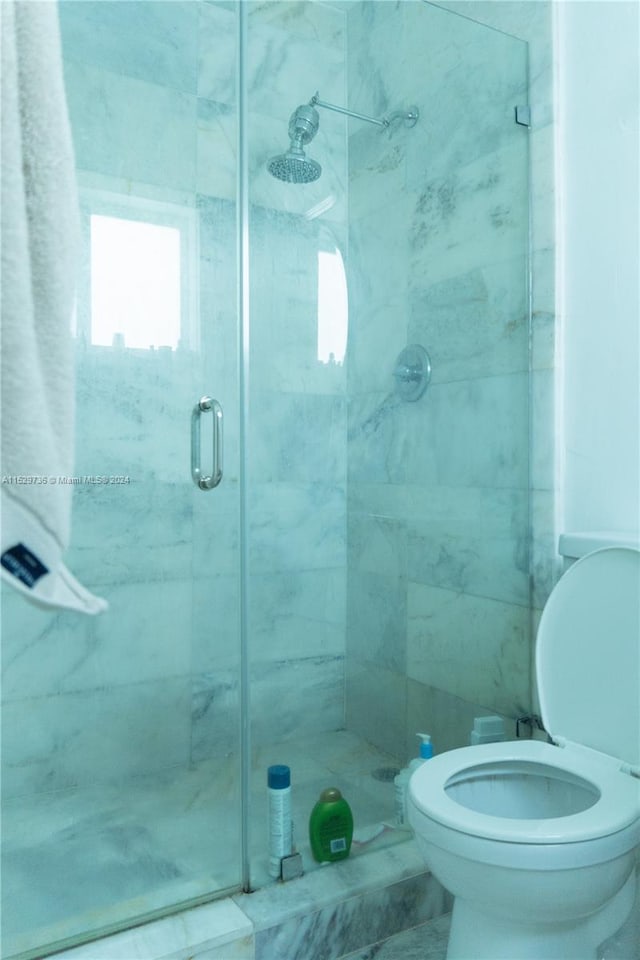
{"x":361,"y":570}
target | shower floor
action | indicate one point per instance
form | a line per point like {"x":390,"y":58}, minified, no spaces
{"x":87,"y":859}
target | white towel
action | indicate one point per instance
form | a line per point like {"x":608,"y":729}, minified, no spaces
{"x":39,"y":258}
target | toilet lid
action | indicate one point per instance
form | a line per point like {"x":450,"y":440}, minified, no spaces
{"x":588,"y":655}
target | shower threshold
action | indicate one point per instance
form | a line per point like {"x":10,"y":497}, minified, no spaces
{"x":99,"y":858}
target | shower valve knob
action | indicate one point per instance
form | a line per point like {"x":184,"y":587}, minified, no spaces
{"x":412,"y":372}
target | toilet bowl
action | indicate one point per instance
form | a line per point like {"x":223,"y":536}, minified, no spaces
{"x":537,"y":841}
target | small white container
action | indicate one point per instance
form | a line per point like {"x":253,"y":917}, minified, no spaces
{"x":401,"y":781}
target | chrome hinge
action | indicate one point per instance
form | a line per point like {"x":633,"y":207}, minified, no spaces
{"x":530,"y":720}
{"x":523,"y":115}
{"x":631,"y":769}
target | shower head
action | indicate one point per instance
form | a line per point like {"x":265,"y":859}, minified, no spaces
{"x":294,"y":166}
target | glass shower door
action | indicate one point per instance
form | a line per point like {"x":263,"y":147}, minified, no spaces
{"x":388,"y":536}
{"x":121,"y":733}
{"x":438,"y":488}
{"x":298,"y":438}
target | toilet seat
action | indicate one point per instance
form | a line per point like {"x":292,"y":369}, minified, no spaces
{"x":616,"y":795}
{"x":588,"y":655}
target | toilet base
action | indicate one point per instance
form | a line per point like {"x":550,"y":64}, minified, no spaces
{"x":478,"y":934}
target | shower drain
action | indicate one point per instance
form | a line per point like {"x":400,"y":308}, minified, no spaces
{"x":386,"y":774}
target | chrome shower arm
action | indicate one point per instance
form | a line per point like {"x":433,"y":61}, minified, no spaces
{"x":317,"y":102}
{"x":293,"y":166}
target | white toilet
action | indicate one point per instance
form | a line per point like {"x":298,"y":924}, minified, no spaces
{"x":537,"y":841}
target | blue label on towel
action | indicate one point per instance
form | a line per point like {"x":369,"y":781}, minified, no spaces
{"x":23,"y":564}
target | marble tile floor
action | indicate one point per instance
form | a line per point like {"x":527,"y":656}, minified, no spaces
{"x":428,"y":941}
{"x":75,"y":861}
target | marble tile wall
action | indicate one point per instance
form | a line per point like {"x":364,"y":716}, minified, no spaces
{"x":438,"y":586}
{"x":426,"y":942}
{"x":297,"y":407}
{"x":326,"y":934}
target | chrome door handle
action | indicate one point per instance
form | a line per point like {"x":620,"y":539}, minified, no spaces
{"x":203,"y":482}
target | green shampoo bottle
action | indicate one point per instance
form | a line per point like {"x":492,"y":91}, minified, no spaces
{"x":331,"y":826}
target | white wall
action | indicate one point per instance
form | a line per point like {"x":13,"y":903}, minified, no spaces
{"x":598,"y":298}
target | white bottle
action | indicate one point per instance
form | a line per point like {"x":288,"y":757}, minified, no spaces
{"x":280,"y":822}
{"x":401,"y":782}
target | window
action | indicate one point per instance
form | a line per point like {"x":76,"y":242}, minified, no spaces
{"x":139,"y":289}
{"x":135,"y":283}
{"x":333,"y":307}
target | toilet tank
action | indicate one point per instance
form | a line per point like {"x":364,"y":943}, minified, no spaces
{"x":572,"y":546}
